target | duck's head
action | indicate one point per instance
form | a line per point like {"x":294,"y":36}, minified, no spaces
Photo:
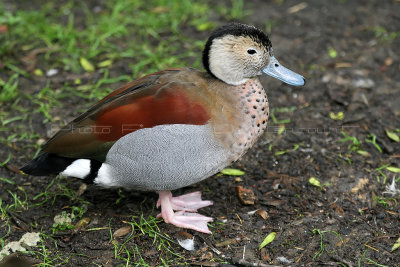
{"x":236,"y":52}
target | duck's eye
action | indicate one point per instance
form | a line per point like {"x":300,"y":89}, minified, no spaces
{"x":251,"y":51}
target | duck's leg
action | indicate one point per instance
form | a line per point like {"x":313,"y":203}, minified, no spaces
{"x":182,"y":218}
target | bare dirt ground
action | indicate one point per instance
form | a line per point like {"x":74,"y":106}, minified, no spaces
{"x":349,"y":53}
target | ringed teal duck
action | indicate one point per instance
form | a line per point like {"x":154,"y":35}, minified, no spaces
{"x":173,"y":128}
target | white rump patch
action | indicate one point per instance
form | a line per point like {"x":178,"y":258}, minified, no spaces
{"x":80,"y":168}
{"x":104,"y":176}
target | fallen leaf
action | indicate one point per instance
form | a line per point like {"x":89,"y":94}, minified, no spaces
{"x":343,"y":65}
{"x":337,"y":117}
{"x":392,"y":135}
{"x":297,"y":8}
{"x":232,"y":172}
{"x":262,"y":213}
{"x":38,"y":72}
{"x":81,"y":190}
{"x":122,"y":231}
{"x":86,"y":65}
{"x":332,"y":52}
{"x":392,"y":213}
{"x":396,"y":244}
{"x":270,"y":237}
{"x":246,"y":196}
{"x":364,"y":153}
{"x":314,"y":181}
{"x":393,"y":169}
{"x":105,"y":63}
{"x":361,"y":183}
{"x":82,"y":223}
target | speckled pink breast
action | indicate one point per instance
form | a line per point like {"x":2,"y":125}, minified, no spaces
{"x":254,"y":108}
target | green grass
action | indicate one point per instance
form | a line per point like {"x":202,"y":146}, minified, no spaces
{"x":50,"y":258}
{"x":383,"y":35}
{"x":283,"y":110}
{"x":354,"y":144}
{"x":322,"y":244}
{"x":141,"y":30}
{"x":368,"y":260}
{"x":17,"y":202}
{"x":131,"y":253}
{"x":8,"y":90}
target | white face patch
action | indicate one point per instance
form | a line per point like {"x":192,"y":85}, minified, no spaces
{"x":230,"y":61}
{"x":80,"y":168}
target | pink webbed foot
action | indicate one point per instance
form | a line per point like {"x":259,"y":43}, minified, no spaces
{"x":188,"y":202}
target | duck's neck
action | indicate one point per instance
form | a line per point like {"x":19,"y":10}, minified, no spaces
{"x":253,"y":105}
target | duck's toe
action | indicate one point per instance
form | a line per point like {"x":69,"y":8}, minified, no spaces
{"x":188,"y":202}
{"x":189,"y":220}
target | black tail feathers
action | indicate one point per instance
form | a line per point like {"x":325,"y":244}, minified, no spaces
{"x":47,"y":164}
